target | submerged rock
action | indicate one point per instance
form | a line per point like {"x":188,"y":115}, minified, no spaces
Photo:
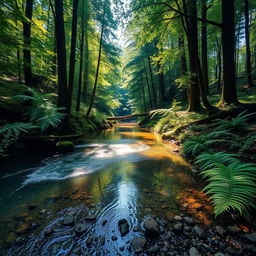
{"x":123,"y":227}
{"x":68,"y":220}
{"x":154,"y":249}
{"x":90,"y":217}
{"x":193,"y":252}
{"x":151,"y":227}
{"x":23,"y":228}
{"x":250,"y":237}
{"x":80,"y":228}
{"x":138,"y":243}
{"x":31,"y":206}
{"x":199,"y":231}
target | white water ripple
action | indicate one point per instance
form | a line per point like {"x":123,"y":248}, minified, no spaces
{"x":82,"y":163}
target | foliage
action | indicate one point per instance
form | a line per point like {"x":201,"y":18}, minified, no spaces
{"x":195,"y":145}
{"x":235,"y":124}
{"x":231,"y":183}
{"x":41,"y":110}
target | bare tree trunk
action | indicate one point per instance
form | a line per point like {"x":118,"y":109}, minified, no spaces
{"x":72,"y":60}
{"x":152,"y":82}
{"x":27,"y":43}
{"x":247,"y":41}
{"x":149,"y":92}
{"x":98,"y":63}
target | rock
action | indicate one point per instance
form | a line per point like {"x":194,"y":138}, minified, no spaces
{"x":20,"y":240}
{"x":102,"y":240}
{"x":21,"y":216}
{"x":114,"y":238}
{"x":80,"y":228}
{"x":232,"y":251}
{"x":219,"y":254}
{"x":151,"y":227}
{"x":121,"y":249}
{"x":154,"y":249}
{"x":250,"y":237}
{"x":178,"y":227}
{"x":104,"y":222}
{"x":23,"y":228}
{"x":123,"y":227}
{"x":68,"y":220}
{"x":136,"y":229}
{"x":250,"y":247}
{"x":189,"y":220}
{"x":48,"y":232}
{"x":193,"y":252}
{"x":199,"y":231}
{"x":89,"y":241}
{"x":64,"y":146}
{"x":28,"y":219}
{"x":233,"y":229}
{"x":138,"y":243}
{"x":220,"y":230}
{"x":178,"y":218}
{"x":90,"y":217}
{"x":31,"y":206}
{"x":34,"y":225}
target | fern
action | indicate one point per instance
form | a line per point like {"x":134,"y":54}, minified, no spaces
{"x":195,"y":145}
{"x":208,"y":161}
{"x":231,"y":186}
{"x":236,"y":123}
{"x":15,"y":129}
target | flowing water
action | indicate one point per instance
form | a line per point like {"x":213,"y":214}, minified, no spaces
{"x":121,"y":173}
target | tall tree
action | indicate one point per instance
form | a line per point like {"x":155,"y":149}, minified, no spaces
{"x":72,"y":59}
{"x":27,"y":43}
{"x":247,"y":43}
{"x":61,"y":54}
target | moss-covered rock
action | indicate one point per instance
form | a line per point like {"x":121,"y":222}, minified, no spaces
{"x":65,"y":146}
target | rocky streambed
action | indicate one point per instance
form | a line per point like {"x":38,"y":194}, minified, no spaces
{"x":81,"y":231}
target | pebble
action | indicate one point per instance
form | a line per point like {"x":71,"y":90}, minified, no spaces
{"x":114,"y":238}
{"x":151,"y":227}
{"x":250,"y":237}
{"x":90,"y":217}
{"x":199,"y":231}
{"x":193,"y":252}
{"x":68,"y":220}
{"x":138,"y":243}
{"x":136,"y":229}
{"x":123,"y":227}
{"x":154,"y":249}
{"x":178,"y":218}
{"x":220,"y":230}
{"x":80,"y":228}
{"x":102,"y":240}
{"x":178,"y":227}
{"x":23,"y":228}
{"x":189,"y":220}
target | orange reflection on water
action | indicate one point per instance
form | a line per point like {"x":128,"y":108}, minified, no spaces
{"x":142,"y":135}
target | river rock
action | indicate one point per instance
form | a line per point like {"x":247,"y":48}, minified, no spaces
{"x":136,"y":229}
{"x":20,"y":240}
{"x":90,"y":217}
{"x":80,"y":228}
{"x":199,"y":231}
{"x":233,"y":229}
{"x":114,"y":238}
{"x":65,"y":146}
{"x":193,"y":252}
{"x":220,"y":230}
{"x":250,"y":237}
{"x":21,"y":216}
{"x":138,"y":243}
{"x":151,"y":227}
{"x":48,"y":232}
{"x":178,"y":218}
{"x":189,"y":220}
{"x":154,"y":249}
{"x":31,"y":206}
{"x":102,"y":240}
{"x":104,"y":222}
{"x":178,"y":227}
{"x":89,"y":241}
{"x":23,"y":228}
{"x":123,"y":227}
{"x":219,"y":254}
{"x":68,"y":220}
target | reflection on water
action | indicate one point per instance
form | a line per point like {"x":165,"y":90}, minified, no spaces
{"x":124,"y":172}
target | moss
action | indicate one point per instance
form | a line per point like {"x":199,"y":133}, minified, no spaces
{"x":65,"y":146}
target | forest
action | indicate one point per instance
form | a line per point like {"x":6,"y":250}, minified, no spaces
{"x":128,"y":127}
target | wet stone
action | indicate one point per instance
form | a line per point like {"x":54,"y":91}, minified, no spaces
{"x":20,"y":240}
{"x":178,"y":218}
{"x":220,"y":230}
{"x":177,"y":227}
{"x":104,"y":222}
{"x":250,"y":237}
{"x":21,"y":216}
{"x":123,"y":227}
{"x":138,"y":243}
{"x":136,"y":229}
{"x":68,"y":221}
{"x":48,"y":232}
{"x":89,"y":241}
{"x":199,"y":231}
{"x":193,"y":252}
{"x":80,"y":228}
{"x":251,"y":248}
{"x":121,"y":249}
{"x":90,"y":217}
{"x":102,"y":240}
{"x":114,"y":238}
{"x":189,"y":220}
{"x":154,"y":249}
{"x":151,"y":227}
{"x":233,"y":229}
{"x":219,"y":254}
{"x":23,"y":228}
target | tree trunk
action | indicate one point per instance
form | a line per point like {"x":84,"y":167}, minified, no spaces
{"x":61,"y":54}
{"x":81,"y":61}
{"x":27,"y":43}
{"x":152,"y":82}
{"x":72,"y":59}
{"x":18,"y":65}
{"x":229,"y":95}
{"x":204,"y":47}
{"x":98,"y":63}
{"x":247,"y":42}
{"x":147,"y":81}
{"x":86,"y":66}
